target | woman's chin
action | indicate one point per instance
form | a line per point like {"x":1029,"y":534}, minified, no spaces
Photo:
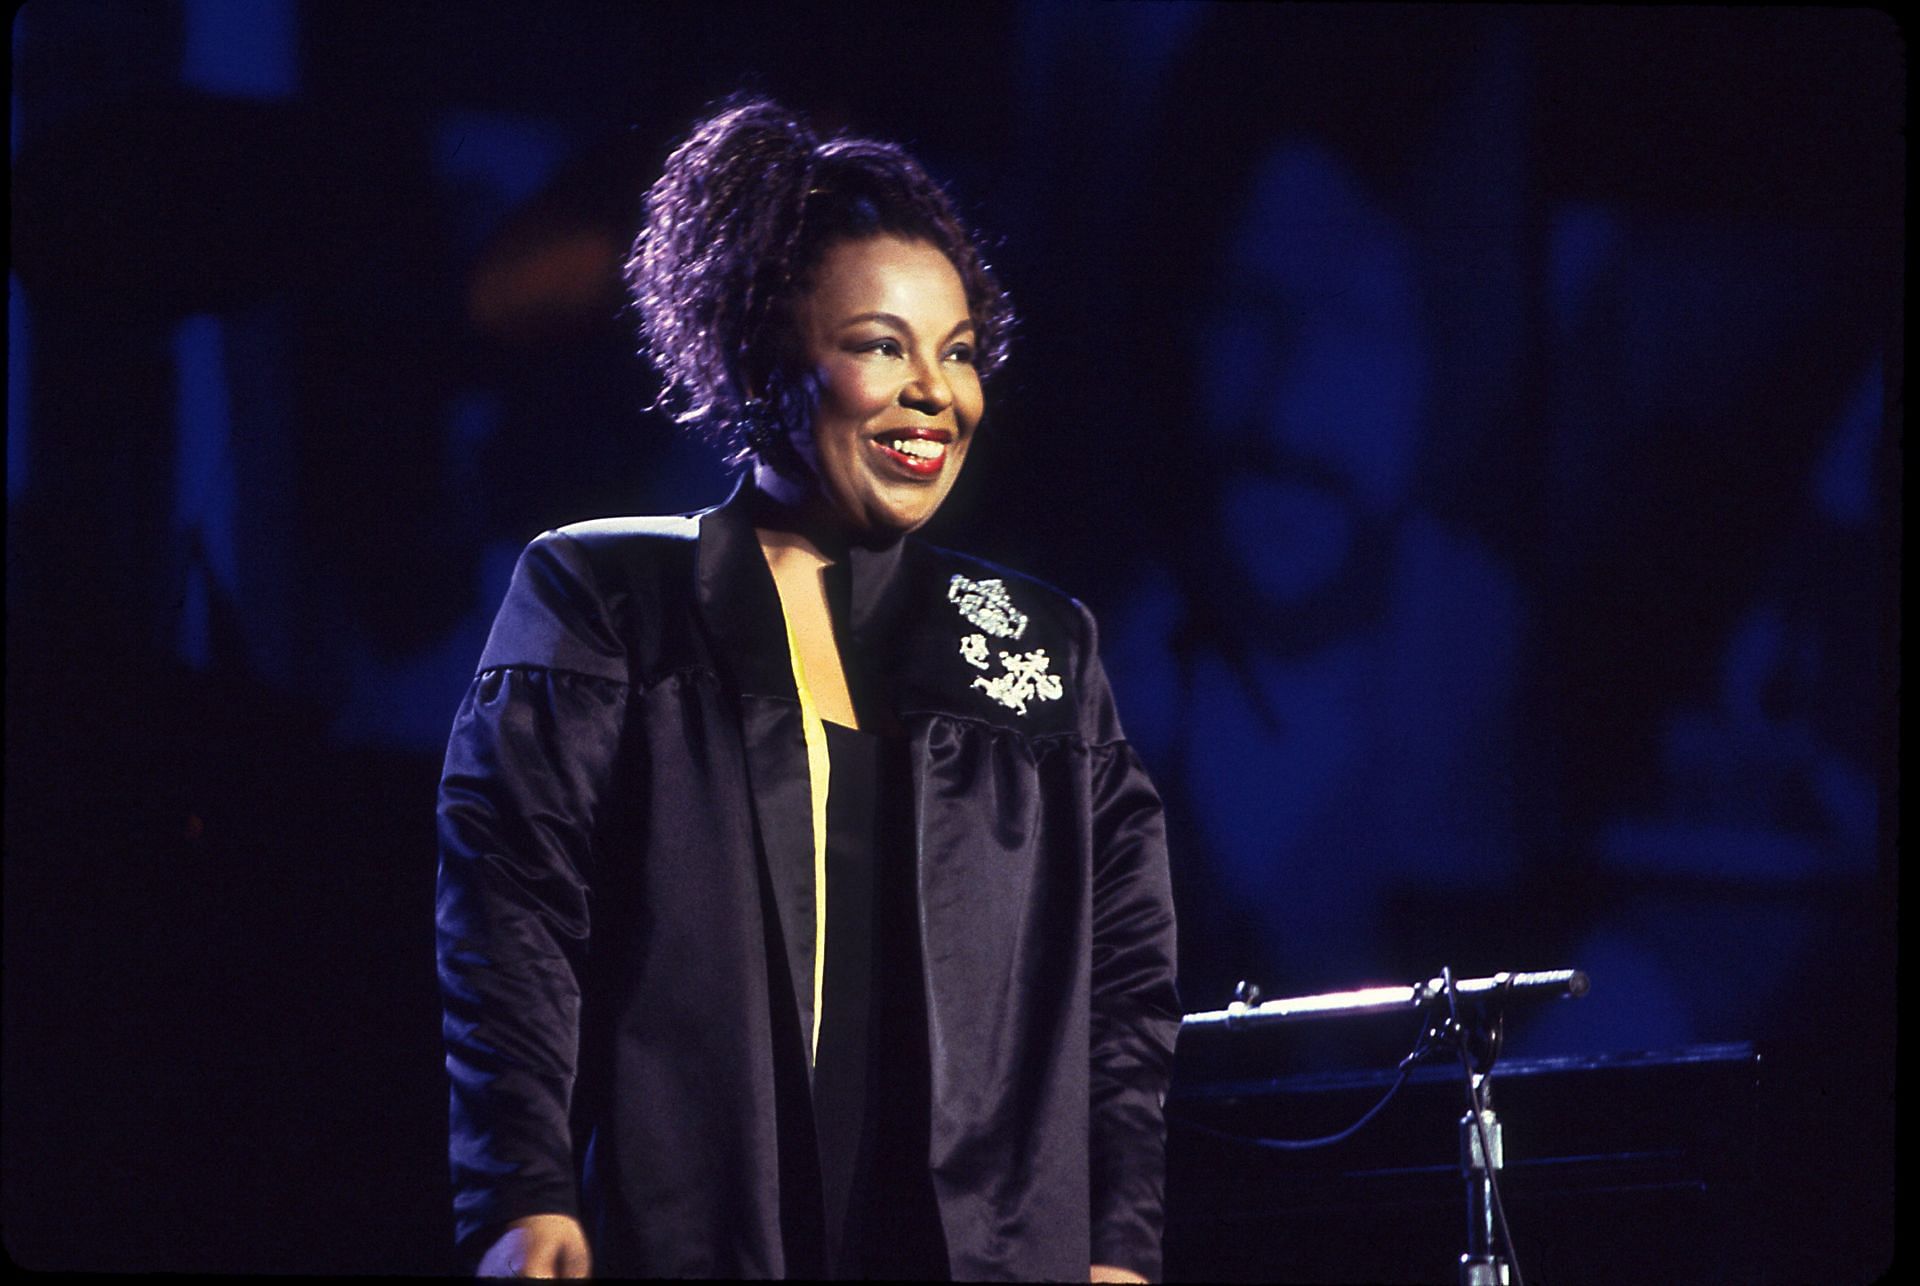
{"x":890,"y":510}
{"x":884,"y":528}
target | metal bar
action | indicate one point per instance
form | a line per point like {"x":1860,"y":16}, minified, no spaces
{"x":1376,"y":1000}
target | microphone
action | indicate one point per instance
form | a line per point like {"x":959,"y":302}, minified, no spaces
{"x":1243,"y":1013}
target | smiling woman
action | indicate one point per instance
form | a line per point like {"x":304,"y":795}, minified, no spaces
{"x":890,"y":335}
{"x":803,"y":909}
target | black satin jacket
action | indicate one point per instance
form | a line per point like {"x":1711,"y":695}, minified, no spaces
{"x":626,"y":916}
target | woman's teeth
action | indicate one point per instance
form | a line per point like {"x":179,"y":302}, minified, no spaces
{"x":919,"y":448}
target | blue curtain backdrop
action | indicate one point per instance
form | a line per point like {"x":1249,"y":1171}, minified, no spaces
{"x":1476,"y":430}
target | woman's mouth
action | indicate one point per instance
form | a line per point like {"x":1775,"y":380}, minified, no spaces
{"x":915,"y":453}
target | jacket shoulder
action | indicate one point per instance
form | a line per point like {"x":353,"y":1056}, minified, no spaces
{"x":634,"y":534}
{"x":592,"y":596}
{"x":975,"y":585}
{"x":626,"y":552}
{"x":1009,"y":648}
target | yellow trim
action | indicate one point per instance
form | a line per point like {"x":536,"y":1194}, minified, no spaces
{"x":818,"y":771}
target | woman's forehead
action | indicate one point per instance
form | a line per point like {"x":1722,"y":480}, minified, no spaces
{"x":910,"y":279}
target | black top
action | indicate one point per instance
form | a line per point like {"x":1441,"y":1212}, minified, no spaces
{"x":871,"y":1074}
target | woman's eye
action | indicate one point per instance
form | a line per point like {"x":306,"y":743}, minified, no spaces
{"x":885,"y":347}
{"x":961,"y":353}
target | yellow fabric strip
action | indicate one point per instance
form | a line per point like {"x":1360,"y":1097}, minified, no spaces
{"x":818,"y":771}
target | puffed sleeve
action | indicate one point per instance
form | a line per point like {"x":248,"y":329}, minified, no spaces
{"x":1135,"y":1007}
{"x":531,"y":754}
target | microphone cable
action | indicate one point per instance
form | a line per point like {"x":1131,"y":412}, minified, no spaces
{"x":1420,"y":1049}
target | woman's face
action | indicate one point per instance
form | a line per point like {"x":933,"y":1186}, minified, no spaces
{"x":890,"y":342}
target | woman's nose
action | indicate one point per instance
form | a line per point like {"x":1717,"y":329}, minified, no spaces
{"x":927,"y":391}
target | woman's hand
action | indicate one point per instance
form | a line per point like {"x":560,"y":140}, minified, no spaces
{"x":539,"y":1246}
{"x":1108,"y":1273}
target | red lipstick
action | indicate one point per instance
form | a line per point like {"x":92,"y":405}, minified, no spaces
{"x":926,"y":464}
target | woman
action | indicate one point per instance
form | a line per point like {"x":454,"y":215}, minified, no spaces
{"x":799,"y":893}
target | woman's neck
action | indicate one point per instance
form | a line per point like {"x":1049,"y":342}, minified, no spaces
{"x":794,"y":522}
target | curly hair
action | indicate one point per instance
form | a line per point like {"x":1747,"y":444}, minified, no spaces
{"x":737,"y":225}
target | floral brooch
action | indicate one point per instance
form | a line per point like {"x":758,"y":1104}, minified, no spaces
{"x":1023,"y":677}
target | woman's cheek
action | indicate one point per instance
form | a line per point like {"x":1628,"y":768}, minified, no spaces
{"x":970,"y":400}
{"x":869,"y":393}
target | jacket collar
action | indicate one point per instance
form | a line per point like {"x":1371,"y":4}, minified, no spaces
{"x":738,"y":601}
{"x":867,"y":590}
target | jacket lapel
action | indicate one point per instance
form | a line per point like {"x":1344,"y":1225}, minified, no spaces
{"x":869,"y":593}
{"x":741,"y":611}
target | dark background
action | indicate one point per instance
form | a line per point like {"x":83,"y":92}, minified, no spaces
{"x":1476,"y":429}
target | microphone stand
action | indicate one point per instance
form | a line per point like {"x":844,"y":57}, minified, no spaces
{"x":1484,"y":1264}
{"x":1468,"y":1022}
